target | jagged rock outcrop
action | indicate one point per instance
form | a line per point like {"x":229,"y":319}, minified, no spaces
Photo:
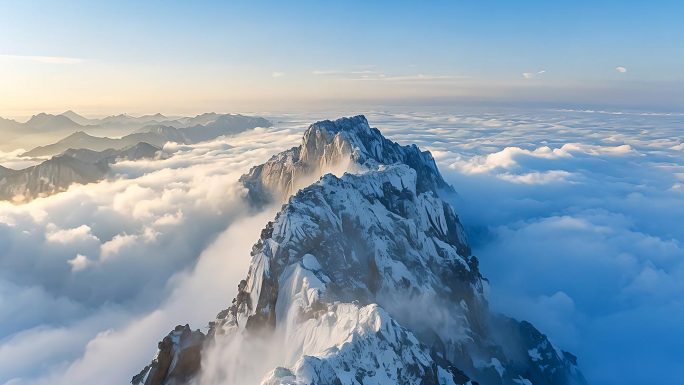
{"x":368,"y":278}
{"x":377,"y":238}
{"x":177,"y":360}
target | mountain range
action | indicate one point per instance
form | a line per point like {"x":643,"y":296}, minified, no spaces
{"x":365,"y":276}
{"x":58,"y":173}
{"x":156,"y":134}
{"x":42,"y":129}
{"x":84,"y":158}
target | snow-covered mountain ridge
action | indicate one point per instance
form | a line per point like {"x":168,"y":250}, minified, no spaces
{"x":347,"y":144}
{"x":364,"y":279}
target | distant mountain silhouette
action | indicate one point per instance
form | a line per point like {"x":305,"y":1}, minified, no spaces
{"x":43,"y":121}
{"x":156,"y":134}
{"x":60,"y":172}
{"x":77,"y":118}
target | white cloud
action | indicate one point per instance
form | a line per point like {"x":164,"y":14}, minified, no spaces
{"x":326,"y":72}
{"x":531,"y":75}
{"x":408,"y":78}
{"x":276,"y":74}
{"x":15,"y":161}
{"x":122,"y":350}
{"x":80,"y":233}
{"x":606,"y":235}
{"x":621,"y":70}
{"x":82,"y":266}
{"x":420,"y":77}
{"x":510,"y":158}
{"x":170,"y":219}
{"x":372,"y":75}
{"x":552,"y":176}
{"x":79,"y":262}
{"x":114,"y":246}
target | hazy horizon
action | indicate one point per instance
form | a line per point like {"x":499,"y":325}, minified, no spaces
{"x":354,"y":108}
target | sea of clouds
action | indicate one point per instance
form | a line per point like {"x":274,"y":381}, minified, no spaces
{"x":574,"y":215}
{"x":92,"y":278}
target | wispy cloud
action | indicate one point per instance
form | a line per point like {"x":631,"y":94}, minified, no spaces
{"x":621,"y":70}
{"x":277,"y":74}
{"x":416,"y":77}
{"x":44,"y":59}
{"x":531,"y":75}
{"x":370,"y":75}
{"x":348,"y":73}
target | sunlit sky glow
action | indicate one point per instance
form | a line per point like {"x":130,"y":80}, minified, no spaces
{"x":184,"y":57}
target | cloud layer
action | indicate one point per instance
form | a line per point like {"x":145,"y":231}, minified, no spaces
{"x":575,"y":216}
{"x":91,"y":278}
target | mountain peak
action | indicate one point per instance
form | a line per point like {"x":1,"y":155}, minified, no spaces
{"x":78,"y":134}
{"x":43,"y":121}
{"x":76,"y":117}
{"x":153,"y":116}
{"x":363,"y":278}
{"x":344,"y":124}
{"x":347,"y":144}
{"x":37,"y":117}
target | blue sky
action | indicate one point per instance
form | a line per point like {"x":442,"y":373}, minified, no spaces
{"x":170,"y":54}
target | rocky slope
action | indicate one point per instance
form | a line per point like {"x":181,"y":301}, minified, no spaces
{"x":365,"y":279}
{"x":178,"y":358}
{"x":60,"y":172}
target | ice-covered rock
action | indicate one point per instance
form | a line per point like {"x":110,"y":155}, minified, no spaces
{"x":346,"y":144}
{"x":349,"y":345}
{"x":367,"y":278}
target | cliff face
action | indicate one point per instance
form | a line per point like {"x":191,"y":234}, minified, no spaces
{"x":177,"y":359}
{"x":368,"y":278}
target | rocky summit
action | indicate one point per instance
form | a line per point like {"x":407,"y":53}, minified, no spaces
{"x":364,"y":277}
{"x":344,"y":145}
